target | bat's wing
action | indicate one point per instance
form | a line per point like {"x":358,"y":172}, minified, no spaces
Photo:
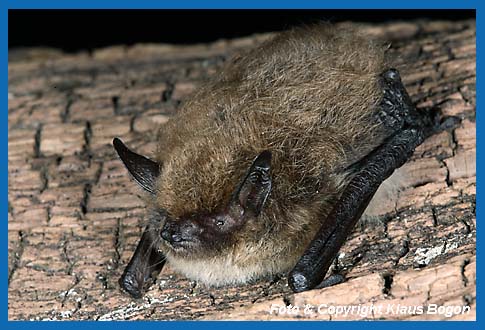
{"x":145,"y":264}
{"x":378,"y":166}
{"x":411,"y":128}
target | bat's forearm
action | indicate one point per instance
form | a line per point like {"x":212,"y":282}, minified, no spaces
{"x":378,"y":166}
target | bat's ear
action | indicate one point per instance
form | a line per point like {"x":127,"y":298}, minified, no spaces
{"x":145,"y":171}
{"x":254,"y":189}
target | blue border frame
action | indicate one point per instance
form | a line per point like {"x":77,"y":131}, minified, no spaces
{"x":212,"y":4}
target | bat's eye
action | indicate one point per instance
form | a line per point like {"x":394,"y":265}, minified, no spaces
{"x":221,"y":222}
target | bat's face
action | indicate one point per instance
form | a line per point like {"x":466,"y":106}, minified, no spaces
{"x":206,"y":235}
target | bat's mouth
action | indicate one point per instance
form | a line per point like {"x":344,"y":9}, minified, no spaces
{"x":180,"y":236}
{"x":179,"y":245}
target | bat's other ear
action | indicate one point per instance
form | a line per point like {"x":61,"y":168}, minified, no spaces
{"x":256,"y":185}
{"x":145,"y":171}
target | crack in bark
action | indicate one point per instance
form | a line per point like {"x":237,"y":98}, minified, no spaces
{"x":65,"y":114}
{"x":49,"y":214}
{"x":17,"y":255}
{"x":435,"y":217}
{"x":115,"y":101}
{"x":85,"y":200}
{"x":464,"y":279}
{"x":387,"y":285}
{"x":65,"y":253}
{"x":37,"y":138}
{"x":86,"y":152}
{"x":468,"y":229}
{"x":44,"y":178}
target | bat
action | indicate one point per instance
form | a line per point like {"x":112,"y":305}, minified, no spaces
{"x":267,"y":168}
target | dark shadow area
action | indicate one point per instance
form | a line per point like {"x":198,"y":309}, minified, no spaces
{"x":75,"y":30}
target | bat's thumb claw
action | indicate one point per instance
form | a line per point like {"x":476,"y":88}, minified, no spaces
{"x":129,"y":283}
{"x":298,"y":282}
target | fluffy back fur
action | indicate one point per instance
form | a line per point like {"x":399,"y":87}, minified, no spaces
{"x":310,"y":96}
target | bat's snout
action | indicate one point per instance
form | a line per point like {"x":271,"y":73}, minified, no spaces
{"x":179,"y":234}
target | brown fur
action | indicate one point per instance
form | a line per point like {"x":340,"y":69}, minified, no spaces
{"x":308,"y":95}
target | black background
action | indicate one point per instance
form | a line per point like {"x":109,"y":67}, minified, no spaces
{"x":74,"y":30}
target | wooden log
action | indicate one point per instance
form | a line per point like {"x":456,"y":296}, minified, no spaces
{"x":75,"y":217}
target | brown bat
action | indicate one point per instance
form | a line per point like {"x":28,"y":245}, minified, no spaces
{"x":268,"y":167}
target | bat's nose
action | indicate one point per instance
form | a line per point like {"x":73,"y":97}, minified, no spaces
{"x":179,"y":233}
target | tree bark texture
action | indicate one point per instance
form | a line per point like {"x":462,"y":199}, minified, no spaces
{"x":75,"y":216}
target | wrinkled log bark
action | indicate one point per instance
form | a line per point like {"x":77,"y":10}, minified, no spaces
{"x":75,"y":217}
